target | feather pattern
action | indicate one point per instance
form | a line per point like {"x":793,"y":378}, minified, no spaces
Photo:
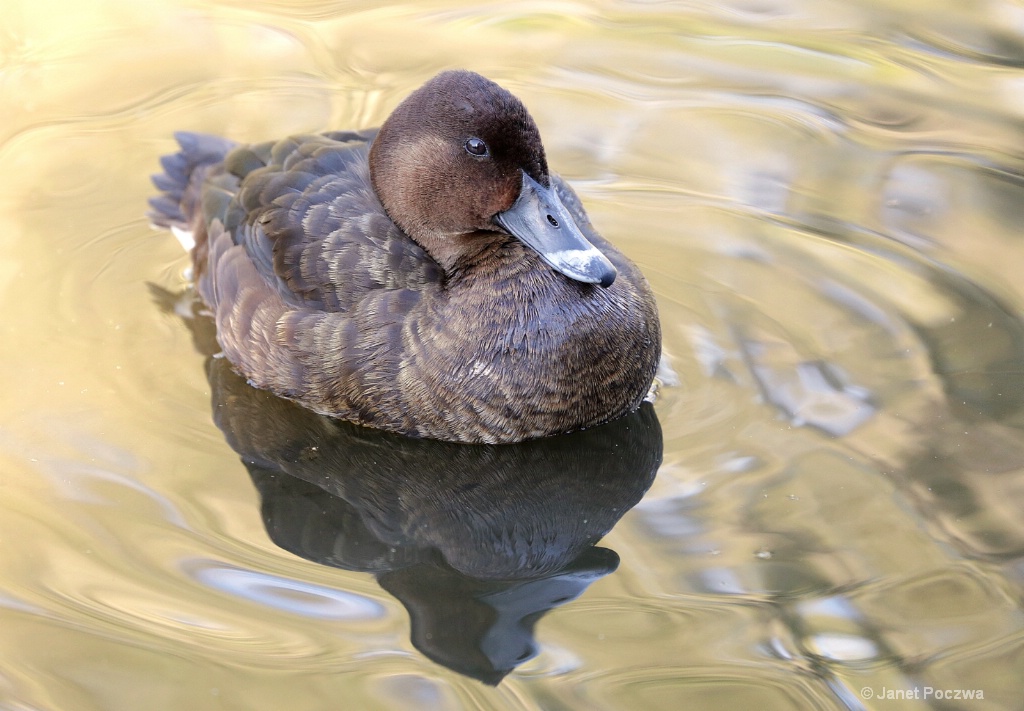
{"x":465,"y":335}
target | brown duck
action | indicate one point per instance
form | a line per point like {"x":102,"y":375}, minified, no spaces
{"x":432,"y":278}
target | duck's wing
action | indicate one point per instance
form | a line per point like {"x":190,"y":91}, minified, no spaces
{"x":309,"y":220}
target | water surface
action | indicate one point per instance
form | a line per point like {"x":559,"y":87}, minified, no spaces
{"x":827,"y":199}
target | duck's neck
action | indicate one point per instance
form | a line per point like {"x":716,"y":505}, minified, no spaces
{"x":508,"y":268}
{"x":468,"y":255}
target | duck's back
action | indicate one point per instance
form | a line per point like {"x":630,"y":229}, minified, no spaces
{"x":306,"y":275}
{"x":305,"y":213}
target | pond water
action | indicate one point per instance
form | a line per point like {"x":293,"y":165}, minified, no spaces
{"x":828,"y":199}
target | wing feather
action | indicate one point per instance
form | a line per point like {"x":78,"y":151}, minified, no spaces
{"x":308,"y":218}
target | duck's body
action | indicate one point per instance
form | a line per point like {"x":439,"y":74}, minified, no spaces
{"x":451,"y":328}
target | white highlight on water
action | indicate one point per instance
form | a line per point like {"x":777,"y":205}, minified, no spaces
{"x":185,"y":237}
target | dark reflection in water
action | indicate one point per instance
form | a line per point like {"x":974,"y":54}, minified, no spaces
{"x":477,"y":541}
{"x":979,"y":355}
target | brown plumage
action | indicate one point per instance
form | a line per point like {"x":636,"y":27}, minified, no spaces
{"x":386,"y":278}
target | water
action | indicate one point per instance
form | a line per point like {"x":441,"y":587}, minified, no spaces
{"x":827,"y":200}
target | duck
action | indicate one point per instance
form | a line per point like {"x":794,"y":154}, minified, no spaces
{"x":431,"y":278}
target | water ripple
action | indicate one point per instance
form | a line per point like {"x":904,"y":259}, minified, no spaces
{"x":292,"y":596}
{"x":826,"y":197}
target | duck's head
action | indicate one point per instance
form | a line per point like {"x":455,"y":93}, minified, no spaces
{"x":461,"y":158}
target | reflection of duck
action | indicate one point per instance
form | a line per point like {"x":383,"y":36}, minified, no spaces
{"x":432,"y":279}
{"x":477,"y":541}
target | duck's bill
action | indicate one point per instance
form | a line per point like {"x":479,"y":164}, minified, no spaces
{"x":539,"y":219}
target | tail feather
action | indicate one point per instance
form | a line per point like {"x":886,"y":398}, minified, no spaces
{"x":182,"y":178}
{"x":166,"y":210}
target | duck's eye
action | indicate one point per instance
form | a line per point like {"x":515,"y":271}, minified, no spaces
{"x":476,"y":147}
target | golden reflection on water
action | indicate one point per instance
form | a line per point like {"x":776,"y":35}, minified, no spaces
{"x":826,"y":197}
